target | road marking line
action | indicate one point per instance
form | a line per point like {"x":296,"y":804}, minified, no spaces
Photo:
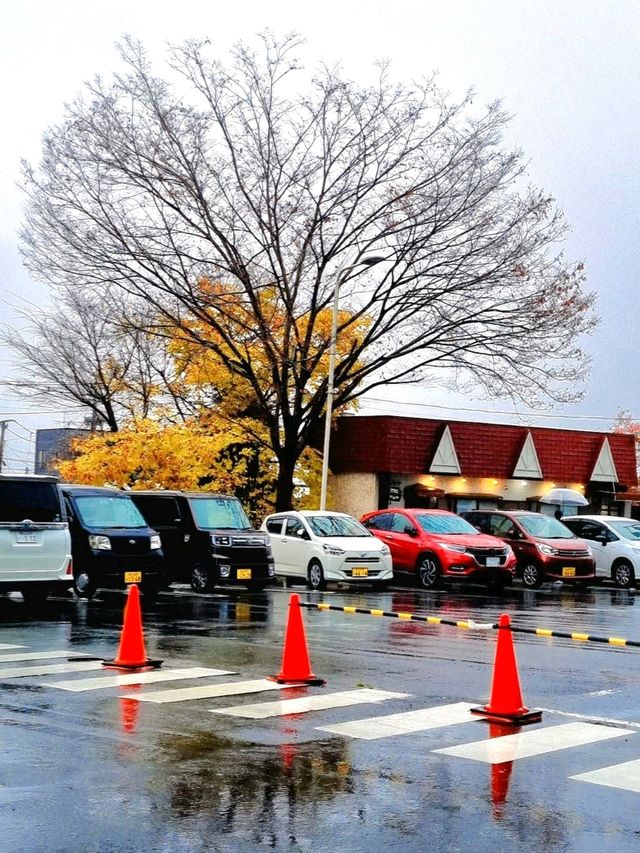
{"x":37,"y":656}
{"x":624,"y":776}
{"x":534,"y":742}
{"x":304,"y":704}
{"x":49,"y":669}
{"x":11,"y":646}
{"x":589,"y":718}
{"x":373,"y":728}
{"x":80,"y":685}
{"x":210,"y":691}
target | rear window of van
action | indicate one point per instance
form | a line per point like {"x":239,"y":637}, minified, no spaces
{"x":20,"y":500}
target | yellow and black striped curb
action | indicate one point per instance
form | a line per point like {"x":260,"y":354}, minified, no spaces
{"x":469,"y":624}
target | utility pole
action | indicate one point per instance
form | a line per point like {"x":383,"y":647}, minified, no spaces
{"x":3,"y":428}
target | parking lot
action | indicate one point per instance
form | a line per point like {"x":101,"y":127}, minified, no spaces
{"x":204,"y":753}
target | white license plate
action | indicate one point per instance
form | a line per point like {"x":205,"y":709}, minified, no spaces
{"x":26,"y":538}
{"x":492,"y":562}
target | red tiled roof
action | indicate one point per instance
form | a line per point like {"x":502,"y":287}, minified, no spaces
{"x":397,"y":445}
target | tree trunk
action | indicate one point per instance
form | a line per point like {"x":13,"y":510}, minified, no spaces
{"x":284,"y":491}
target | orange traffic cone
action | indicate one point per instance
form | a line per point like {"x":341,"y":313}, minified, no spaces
{"x":505,"y":705}
{"x":295,"y":658}
{"x":131,"y":651}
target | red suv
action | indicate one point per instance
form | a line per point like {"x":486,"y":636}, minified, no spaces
{"x":545,"y":549}
{"x":431,"y":545}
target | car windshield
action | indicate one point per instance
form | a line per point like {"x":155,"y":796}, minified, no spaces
{"x":220,"y":514}
{"x":545,"y":527}
{"x":109,"y":511}
{"x":336,"y":525}
{"x":451,"y":525}
{"x":627,"y":529}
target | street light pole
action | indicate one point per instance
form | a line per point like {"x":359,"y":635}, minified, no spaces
{"x":366,"y":262}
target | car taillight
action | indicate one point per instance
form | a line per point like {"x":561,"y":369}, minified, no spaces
{"x":69,"y":568}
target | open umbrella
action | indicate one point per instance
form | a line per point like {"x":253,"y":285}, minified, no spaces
{"x":569,"y":497}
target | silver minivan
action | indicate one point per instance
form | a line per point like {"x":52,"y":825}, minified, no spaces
{"x":35,"y":546}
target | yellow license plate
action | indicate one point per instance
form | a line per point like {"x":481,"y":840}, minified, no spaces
{"x":132,"y":577}
{"x":360,"y":573}
{"x":568,"y":572}
{"x":244,"y":574}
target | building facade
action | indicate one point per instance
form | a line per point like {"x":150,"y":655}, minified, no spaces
{"x":52,"y":444}
{"x":381,"y":461}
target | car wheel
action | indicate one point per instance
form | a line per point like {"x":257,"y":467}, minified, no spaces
{"x":315,"y":575}
{"x":623,"y":574}
{"x":34,"y":595}
{"x":201,"y":579}
{"x":428,"y":571}
{"x":532,"y":576}
{"x":84,"y":584}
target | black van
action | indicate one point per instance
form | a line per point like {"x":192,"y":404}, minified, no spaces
{"x":207,"y":539}
{"x":111,"y":543}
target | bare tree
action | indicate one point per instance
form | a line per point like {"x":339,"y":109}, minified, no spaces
{"x":85,"y":351}
{"x":240,"y":173}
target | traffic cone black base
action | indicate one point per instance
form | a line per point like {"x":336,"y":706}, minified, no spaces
{"x":148,"y":664}
{"x":306,"y":681}
{"x":509,"y":719}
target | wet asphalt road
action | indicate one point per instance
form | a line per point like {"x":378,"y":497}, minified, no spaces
{"x":93,"y":771}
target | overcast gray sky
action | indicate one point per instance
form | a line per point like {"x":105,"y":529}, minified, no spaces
{"x":568,"y":73}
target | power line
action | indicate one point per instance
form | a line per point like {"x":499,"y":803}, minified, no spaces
{"x":531,"y":414}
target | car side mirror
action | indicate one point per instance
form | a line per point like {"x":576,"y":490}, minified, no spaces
{"x":410,"y":531}
{"x":302,"y":533}
{"x":601,"y":538}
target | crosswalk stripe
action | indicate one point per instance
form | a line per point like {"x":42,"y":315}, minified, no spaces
{"x":398,"y":724}
{"x":81,"y":685}
{"x":43,"y":655}
{"x":624,"y":776}
{"x":533,"y":742}
{"x":49,"y":669}
{"x":210,"y":691}
{"x":303,"y":704}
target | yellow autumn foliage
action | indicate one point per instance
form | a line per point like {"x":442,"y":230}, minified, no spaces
{"x":226,"y":448}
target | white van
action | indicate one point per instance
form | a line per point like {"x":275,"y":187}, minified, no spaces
{"x":35,"y":546}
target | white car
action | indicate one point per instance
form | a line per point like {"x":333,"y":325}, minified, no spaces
{"x":320,"y":546}
{"x":35,"y":546}
{"x":615,"y":543}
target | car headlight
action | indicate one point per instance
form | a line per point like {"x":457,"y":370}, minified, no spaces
{"x":100,"y":543}
{"x":385,"y":549}
{"x":459,"y":549}
{"x":155,"y":543}
{"x":220,"y":540}
{"x":590,"y":552}
{"x":333,"y":550}
{"x":546,"y":549}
